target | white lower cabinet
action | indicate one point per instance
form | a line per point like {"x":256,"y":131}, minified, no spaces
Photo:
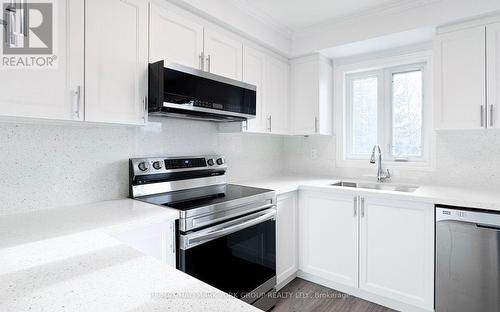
{"x":328,"y":230}
{"x":376,"y":248}
{"x":286,"y":238}
{"x":155,"y":240}
{"x":396,"y":251}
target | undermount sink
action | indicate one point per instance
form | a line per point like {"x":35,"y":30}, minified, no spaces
{"x":378,"y":186}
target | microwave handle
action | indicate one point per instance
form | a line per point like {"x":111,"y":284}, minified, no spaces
{"x":192,"y":240}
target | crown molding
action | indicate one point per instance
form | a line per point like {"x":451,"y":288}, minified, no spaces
{"x":395,"y":6}
{"x":264,"y":18}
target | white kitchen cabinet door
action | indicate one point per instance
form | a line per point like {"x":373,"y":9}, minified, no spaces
{"x":50,"y":92}
{"x":223,"y":54}
{"x":311,"y":96}
{"x":493,"y":74}
{"x":328,"y":243}
{"x":276,"y":95}
{"x":397,"y":250}
{"x":116,"y":61}
{"x":461,"y":79}
{"x":253,"y":73}
{"x":287,"y":237}
{"x":174,"y":38}
{"x":155,"y":240}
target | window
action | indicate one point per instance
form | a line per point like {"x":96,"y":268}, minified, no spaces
{"x":385,"y":107}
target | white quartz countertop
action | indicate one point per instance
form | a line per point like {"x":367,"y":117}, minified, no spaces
{"x":66,"y":259}
{"x":453,"y":196}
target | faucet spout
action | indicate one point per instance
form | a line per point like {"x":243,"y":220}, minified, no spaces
{"x":381,"y":175}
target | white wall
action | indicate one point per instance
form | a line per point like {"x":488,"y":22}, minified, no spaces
{"x":463,"y":158}
{"x":47,"y":164}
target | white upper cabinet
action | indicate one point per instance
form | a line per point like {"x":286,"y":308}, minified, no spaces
{"x":116,"y":61}
{"x":461,"y":79}
{"x":397,"y":250}
{"x":311,"y":94}
{"x":287,"y":262}
{"x":328,"y":243}
{"x":174,"y":38}
{"x":254,"y":62}
{"x":493,"y":74}
{"x":54,"y":93}
{"x":271,"y":75}
{"x":223,"y":54}
{"x":276,"y":95}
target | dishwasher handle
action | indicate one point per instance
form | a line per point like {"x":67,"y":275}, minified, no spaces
{"x":488,"y":227}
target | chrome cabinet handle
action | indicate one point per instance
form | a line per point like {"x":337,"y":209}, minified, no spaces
{"x":7,"y":23}
{"x":316,"y":124}
{"x":356,"y":206}
{"x":245,"y":125}
{"x":270,"y":118}
{"x":174,"y":234}
{"x":145,"y":100}
{"x":208,"y":63}
{"x":77,"y":94}
{"x":201,"y":59}
{"x":362,"y":207}
{"x":492,"y":110}
{"x":482,"y":115}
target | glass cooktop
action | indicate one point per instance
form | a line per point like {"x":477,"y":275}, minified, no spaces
{"x":203,"y":196}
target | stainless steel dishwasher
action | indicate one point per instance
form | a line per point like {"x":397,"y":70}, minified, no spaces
{"x":467,"y":260}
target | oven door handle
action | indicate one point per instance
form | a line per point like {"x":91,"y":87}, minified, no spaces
{"x":195,"y":239}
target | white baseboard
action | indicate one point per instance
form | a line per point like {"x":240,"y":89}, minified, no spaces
{"x":356,"y":292}
{"x":286,"y":281}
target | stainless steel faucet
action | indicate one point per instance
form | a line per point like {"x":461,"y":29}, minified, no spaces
{"x":381,"y":175}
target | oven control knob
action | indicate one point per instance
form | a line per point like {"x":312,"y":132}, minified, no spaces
{"x":143,"y":166}
{"x":157,"y":165}
{"x":210,"y":162}
{"x":220,"y":161}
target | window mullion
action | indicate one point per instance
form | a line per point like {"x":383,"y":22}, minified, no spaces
{"x":384,"y":121}
{"x":388,"y":115}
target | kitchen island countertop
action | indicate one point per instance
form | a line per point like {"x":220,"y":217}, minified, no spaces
{"x":68,"y":259}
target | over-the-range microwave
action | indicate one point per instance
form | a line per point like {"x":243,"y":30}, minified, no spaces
{"x":184,"y":92}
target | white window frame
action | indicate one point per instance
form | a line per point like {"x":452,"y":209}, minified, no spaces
{"x":348,"y":110}
{"x":387,"y":131}
{"x":384,"y":68}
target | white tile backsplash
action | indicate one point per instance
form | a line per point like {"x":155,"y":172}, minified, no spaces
{"x":46,"y":165}
{"x":463,"y":158}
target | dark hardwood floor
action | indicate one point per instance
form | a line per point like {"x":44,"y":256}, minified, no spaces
{"x":304,"y":296}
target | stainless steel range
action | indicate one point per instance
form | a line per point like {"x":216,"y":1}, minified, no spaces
{"x":226,"y":233}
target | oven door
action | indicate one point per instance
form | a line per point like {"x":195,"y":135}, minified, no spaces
{"x":237,"y":257}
